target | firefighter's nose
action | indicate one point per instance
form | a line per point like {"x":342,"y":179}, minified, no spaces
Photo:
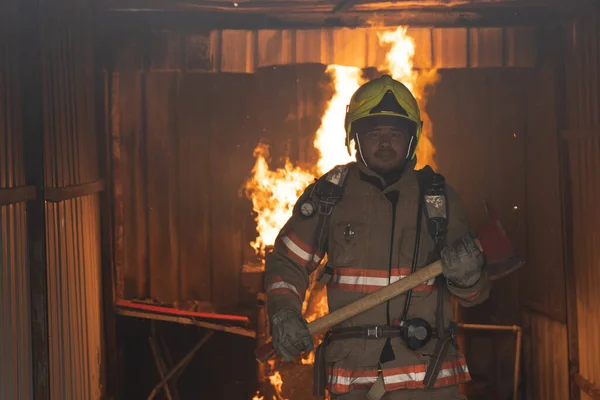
{"x":384,"y":143}
{"x":385,"y":140}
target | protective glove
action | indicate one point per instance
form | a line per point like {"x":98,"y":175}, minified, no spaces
{"x":290,"y":333}
{"x":462,"y":262}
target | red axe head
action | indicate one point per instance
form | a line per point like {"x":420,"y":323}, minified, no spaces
{"x":496,"y":245}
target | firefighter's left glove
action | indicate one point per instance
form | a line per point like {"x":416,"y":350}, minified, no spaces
{"x":462,"y":262}
{"x":290,"y":333}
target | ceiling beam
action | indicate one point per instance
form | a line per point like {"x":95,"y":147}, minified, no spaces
{"x":345,"y":5}
{"x":202,"y":21}
{"x":312,"y":6}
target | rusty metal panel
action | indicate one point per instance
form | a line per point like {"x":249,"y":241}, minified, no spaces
{"x":15,"y":331}
{"x":545,"y":255}
{"x":72,"y":226}
{"x":423,"y":47}
{"x":349,"y":47}
{"x":241,"y":51}
{"x":237,"y":51}
{"x":169,"y":130}
{"x":581,"y":141}
{"x":74,"y":296}
{"x":375,"y":53}
{"x":309,"y":46}
{"x":69,"y":106}
{"x":583,"y":64}
{"x":546,"y":357}
{"x":162,"y":172}
{"x":584,"y":156}
{"x":164,"y":51}
{"x":16,"y":372}
{"x":520,"y":47}
{"x":275,"y":47}
{"x":197,"y":52}
{"x":485,"y":47}
{"x":11,"y":135}
{"x":450,"y":47}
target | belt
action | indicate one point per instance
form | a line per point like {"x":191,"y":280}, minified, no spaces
{"x":377,"y":332}
{"x":370,"y":332}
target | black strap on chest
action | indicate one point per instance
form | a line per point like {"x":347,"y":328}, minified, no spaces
{"x":328,"y":191}
{"x":432,"y":193}
{"x":433,"y":189}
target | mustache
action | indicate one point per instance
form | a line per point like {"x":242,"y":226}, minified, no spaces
{"x":385,"y":151}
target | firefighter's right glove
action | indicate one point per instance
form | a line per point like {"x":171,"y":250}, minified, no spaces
{"x":462,"y":262}
{"x":290,"y":333}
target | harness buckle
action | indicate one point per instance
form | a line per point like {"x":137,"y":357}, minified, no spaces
{"x":375,"y":332}
{"x":453,"y":334}
{"x":326,"y":205}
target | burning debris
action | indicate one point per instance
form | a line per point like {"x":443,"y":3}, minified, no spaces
{"x":274,"y":193}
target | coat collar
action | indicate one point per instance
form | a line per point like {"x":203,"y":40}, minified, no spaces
{"x":406,"y":181}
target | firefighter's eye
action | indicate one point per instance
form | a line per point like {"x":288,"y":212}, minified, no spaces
{"x":372,"y":135}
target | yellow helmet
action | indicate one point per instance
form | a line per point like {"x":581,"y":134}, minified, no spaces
{"x":372,"y":100}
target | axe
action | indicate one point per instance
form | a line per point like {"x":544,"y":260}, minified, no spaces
{"x":491,"y":239}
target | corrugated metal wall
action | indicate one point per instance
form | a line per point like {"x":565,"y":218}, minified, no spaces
{"x":72,"y":210}
{"x":480,"y":146}
{"x":15,"y":320}
{"x":542,"y":294}
{"x":547,"y":375}
{"x":581,"y":141}
{"x":242,"y":51}
{"x":185,"y":146}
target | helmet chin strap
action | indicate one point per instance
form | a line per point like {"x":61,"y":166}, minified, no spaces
{"x":360,"y":151}
{"x":409,"y":150}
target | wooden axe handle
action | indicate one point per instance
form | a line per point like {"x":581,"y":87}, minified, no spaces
{"x":266,"y":351}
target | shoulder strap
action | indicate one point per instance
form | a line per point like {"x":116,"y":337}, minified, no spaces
{"x":328,"y":191}
{"x":433,"y":187}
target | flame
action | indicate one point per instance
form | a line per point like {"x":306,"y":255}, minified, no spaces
{"x":332,"y":134}
{"x":276,"y":381}
{"x":274,"y":193}
{"x":315,"y":306}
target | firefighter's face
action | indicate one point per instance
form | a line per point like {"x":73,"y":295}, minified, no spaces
{"x":384,"y":147}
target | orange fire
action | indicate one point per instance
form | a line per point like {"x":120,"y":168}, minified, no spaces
{"x":332,"y":134}
{"x":276,"y":382}
{"x":274,"y":193}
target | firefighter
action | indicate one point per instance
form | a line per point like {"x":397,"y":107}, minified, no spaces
{"x":377,"y":220}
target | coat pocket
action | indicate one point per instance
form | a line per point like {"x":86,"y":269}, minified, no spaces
{"x":351,"y":363}
{"x":348,"y":244}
